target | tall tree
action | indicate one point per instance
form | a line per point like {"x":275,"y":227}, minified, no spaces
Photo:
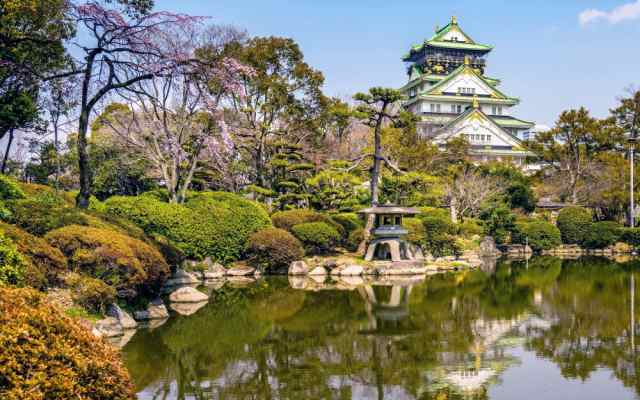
{"x":119,"y":48}
{"x":174,"y":121}
{"x":376,"y":109}
{"x":569,"y":147}
{"x":282,"y":100}
{"x":627,"y":117}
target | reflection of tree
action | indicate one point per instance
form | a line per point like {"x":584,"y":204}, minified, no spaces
{"x":269,"y":341}
{"x":590,"y":307}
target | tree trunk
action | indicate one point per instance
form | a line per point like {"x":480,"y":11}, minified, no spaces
{"x":454,"y":212}
{"x":57,"y":150}
{"x":6,"y":153}
{"x":82,"y":199}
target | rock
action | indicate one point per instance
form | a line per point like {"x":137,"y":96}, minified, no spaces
{"x":125,"y":320}
{"x":621,"y":248}
{"x":240,"y":270}
{"x":351,"y":270}
{"x":318,"y":271}
{"x":298,"y":268}
{"x":215,"y":271}
{"x":155,"y":310}
{"x":330,"y":264}
{"x":318,"y":279}
{"x":351,"y":281}
{"x":182,"y":277}
{"x":155,"y":323}
{"x":121,"y":341}
{"x":187,"y":308}
{"x":108,"y":327}
{"x":488,"y":247}
{"x":187,"y":295}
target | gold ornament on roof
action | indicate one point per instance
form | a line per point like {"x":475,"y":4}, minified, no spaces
{"x":475,"y":103}
{"x":454,"y":20}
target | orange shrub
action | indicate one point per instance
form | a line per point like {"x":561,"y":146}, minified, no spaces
{"x":44,"y":262}
{"x":130,"y":265}
{"x":46,"y":355}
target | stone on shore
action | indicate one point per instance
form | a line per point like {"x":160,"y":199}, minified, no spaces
{"x":182,"y":277}
{"x":188,"y":294}
{"x":108,"y":327}
{"x":240,"y":270}
{"x":215,"y":271}
{"x":298,"y":268}
{"x":155,"y":310}
{"x":348,"y":270}
{"x":318,"y":271}
{"x":125,"y":320}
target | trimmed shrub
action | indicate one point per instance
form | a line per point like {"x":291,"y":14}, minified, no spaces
{"x":540,"y":235}
{"x":470,"y":227}
{"x":601,"y":234}
{"x":288,"y":219}
{"x":354,"y":239}
{"x":438,"y":236}
{"x":631,"y":236}
{"x":348,"y":221}
{"x":211,"y":224}
{"x":273,"y":249}
{"x":10,"y":189}
{"x":317,"y":237}
{"x":417,"y":233}
{"x":42,"y":214}
{"x":12,"y":264}
{"x":573,"y":222}
{"x":44,"y":263}
{"x":91,"y":293}
{"x":130,"y":265}
{"x":499,"y":222}
{"x":51,"y":356}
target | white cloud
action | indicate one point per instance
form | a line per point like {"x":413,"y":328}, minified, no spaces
{"x":621,"y":13}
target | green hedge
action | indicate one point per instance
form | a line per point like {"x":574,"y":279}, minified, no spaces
{"x":12,"y":264}
{"x":318,"y":237}
{"x":288,"y":219}
{"x":540,"y":235}
{"x":573,"y":222}
{"x":10,"y":189}
{"x":273,"y":249}
{"x":631,"y":236}
{"x":599,"y":235}
{"x":348,"y":221}
{"x":211,"y":224}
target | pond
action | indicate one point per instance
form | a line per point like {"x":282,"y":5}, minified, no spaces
{"x":542,"y":329}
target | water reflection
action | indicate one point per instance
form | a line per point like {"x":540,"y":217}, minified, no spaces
{"x":476,"y":334}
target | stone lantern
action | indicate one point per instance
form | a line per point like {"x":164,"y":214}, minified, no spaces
{"x":388,"y":243}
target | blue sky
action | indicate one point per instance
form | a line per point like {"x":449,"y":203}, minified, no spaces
{"x":553,"y":55}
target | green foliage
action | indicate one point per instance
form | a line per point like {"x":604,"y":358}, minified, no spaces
{"x":210,"y":223}
{"x":43,"y":213}
{"x":10,"y":189}
{"x":273,"y":249}
{"x":354,"y":239}
{"x":631,"y":236}
{"x":411,"y":189}
{"x":521,"y":196}
{"x":348,"y":221}
{"x":417,"y":233}
{"x":287,"y":219}
{"x":602,"y":234}
{"x":131,"y":266}
{"x":43,"y":263}
{"x":94,"y":295}
{"x":470,"y":227}
{"x":52,"y":356}
{"x":317,"y":237}
{"x":540,"y":235}
{"x":439,"y":239}
{"x":333,"y":189}
{"x":574,"y":224}
{"x":499,"y":222}
{"x":12,"y":264}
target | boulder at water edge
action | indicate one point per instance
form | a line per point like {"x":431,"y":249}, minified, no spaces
{"x":215,"y":271}
{"x":122,"y":316}
{"x":240,"y":270}
{"x":108,"y":327}
{"x":187,"y":294}
{"x":155,"y":310}
{"x":298,"y":268}
{"x":318,"y":271}
{"x":182,"y":277}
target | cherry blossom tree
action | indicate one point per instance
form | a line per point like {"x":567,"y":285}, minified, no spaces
{"x":119,"y":49}
{"x":174,"y":119}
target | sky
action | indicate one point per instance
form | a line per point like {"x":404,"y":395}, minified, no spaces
{"x":553,"y":55}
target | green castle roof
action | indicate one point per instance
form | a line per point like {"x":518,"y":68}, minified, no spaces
{"x":437,"y":40}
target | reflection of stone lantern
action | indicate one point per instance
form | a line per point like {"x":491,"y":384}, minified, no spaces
{"x":388,"y":243}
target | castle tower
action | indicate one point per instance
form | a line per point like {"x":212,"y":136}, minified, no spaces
{"x":452,"y":96}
